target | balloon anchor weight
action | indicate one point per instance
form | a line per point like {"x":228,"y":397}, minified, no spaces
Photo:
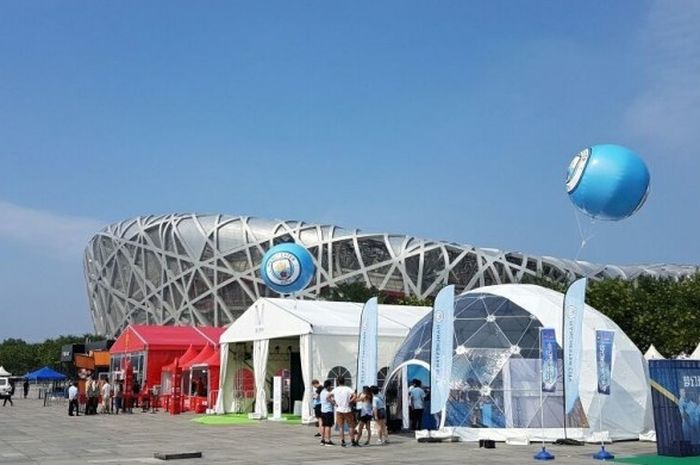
{"x":603,"y":454}
{"x":544,"y":454}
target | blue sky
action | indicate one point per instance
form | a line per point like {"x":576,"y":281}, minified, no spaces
{"x":445,"y":120}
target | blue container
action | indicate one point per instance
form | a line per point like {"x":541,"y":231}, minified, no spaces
{"x":675,"y":388}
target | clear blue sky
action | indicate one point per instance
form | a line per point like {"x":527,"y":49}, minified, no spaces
{"x":446,"y":120}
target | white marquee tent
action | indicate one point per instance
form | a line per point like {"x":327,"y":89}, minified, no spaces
{"x":696,"y":353}
{"x":326,"y":334}
{"x":653,"y":354}
{"x":4,"y":372}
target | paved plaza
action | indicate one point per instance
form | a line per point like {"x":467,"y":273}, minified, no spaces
{"x":32,"y":433}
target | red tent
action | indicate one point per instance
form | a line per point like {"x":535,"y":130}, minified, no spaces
{"x":207,"y":352}
{"x":214,"y":365}
{"x":186,"y":357}
{"x":152,"y":347}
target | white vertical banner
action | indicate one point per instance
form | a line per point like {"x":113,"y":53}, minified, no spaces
{"x":574,"y":304}
{"x":277,"y":398}
{"x":367,"y":345}
{"x":441,"y":349}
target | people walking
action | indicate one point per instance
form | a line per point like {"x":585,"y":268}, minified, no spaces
{"x":106,"y":397}
{"x":25,"y":387}
{"x":93,"y":392}
{"x":8,"y":396}
{"x":73,"y":405}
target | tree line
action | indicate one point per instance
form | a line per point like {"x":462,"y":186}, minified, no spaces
{"x":660,"y":311}
{"x":20,"y":357}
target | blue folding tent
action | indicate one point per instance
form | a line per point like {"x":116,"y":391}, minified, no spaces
{"x":45,"y":374}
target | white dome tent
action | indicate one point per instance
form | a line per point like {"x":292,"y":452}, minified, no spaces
{"x":495,"y":376}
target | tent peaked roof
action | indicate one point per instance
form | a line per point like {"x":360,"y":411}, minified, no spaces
{"x":185,"y":358}
{"x":214,"y":360}
{"x":653,"y":354}
{"x":136,"y":338}
{"x":45,"y":374}
{"x":270,"y":318}
{"x":696,"y":353}
{"x":4,"y":372}
{"x":207,"y":352}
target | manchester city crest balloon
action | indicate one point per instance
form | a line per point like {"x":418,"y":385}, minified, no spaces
{"x":287,"y":268}
{"x":607,"y":182}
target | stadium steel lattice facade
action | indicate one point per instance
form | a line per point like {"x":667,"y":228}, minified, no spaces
{"x":204,"y":269}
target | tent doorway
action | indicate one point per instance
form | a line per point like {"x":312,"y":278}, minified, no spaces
{"x":396,"y":394}
{"x":297,"y":383}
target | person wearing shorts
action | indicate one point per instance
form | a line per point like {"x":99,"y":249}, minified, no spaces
{"x":379,"y":411}
{"x":326,"y":399}
{"x":317,"y":388}
{"x":343,"y":397}
{"x":364,"y":404}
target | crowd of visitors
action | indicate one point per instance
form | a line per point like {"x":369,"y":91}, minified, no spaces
{"x":351,"y":411}
{"x":101,"y":397}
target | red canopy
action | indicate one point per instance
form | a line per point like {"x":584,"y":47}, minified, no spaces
{"x":215,"y":360}
{"x":136,"y":338}
{"x":207,"y":352}
{"x":186,"y":357}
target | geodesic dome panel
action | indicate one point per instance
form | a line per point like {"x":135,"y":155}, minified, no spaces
{"x":495,"y":371}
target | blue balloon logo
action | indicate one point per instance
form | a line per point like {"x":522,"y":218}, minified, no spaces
{"x":287,"y":268}
{"x":607,"y":182}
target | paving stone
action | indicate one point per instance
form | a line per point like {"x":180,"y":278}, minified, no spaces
{"x":31,"y":433}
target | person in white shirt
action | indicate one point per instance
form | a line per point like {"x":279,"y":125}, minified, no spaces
{"x":73,"y":400}
{"x":106,"y":397}
{"x":326,"y":399}
{"x":416,"y":396}
{"x":344,"y":397}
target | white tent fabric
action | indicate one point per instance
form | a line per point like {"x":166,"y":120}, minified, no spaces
{"x":653,"y":354}
{"x":4,"y":372}
{"x":260,"y":352}
{"x":332,"y":330}
{"x":696,"y":353}
{"x":627,"y":410}
{"x":305,"y":358}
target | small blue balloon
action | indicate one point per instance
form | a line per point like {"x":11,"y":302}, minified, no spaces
{"x":607,"y":182}
{"x":287,"y":268}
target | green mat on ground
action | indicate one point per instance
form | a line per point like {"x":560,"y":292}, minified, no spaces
{"x":658,"y":460}
{"x":239,"y":419}
{"x":228,"y":419}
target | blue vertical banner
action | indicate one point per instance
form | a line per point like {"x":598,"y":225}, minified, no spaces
{"x":574,"y":304}
{"x":548,"y":359}
{"x":604,"y":341}
{"x":367,"y":345}
{"x":441,"y":348}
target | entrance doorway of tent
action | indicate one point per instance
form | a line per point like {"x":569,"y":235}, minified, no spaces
{"x":397,"y":399}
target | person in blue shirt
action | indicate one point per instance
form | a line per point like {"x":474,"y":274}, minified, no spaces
{"x":416,"y":397}
{"x":317,"y":388}
{"x":379,"y":411}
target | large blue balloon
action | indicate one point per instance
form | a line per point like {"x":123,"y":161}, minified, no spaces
{"x":287,"y":268}
{"x":607,"y":182}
